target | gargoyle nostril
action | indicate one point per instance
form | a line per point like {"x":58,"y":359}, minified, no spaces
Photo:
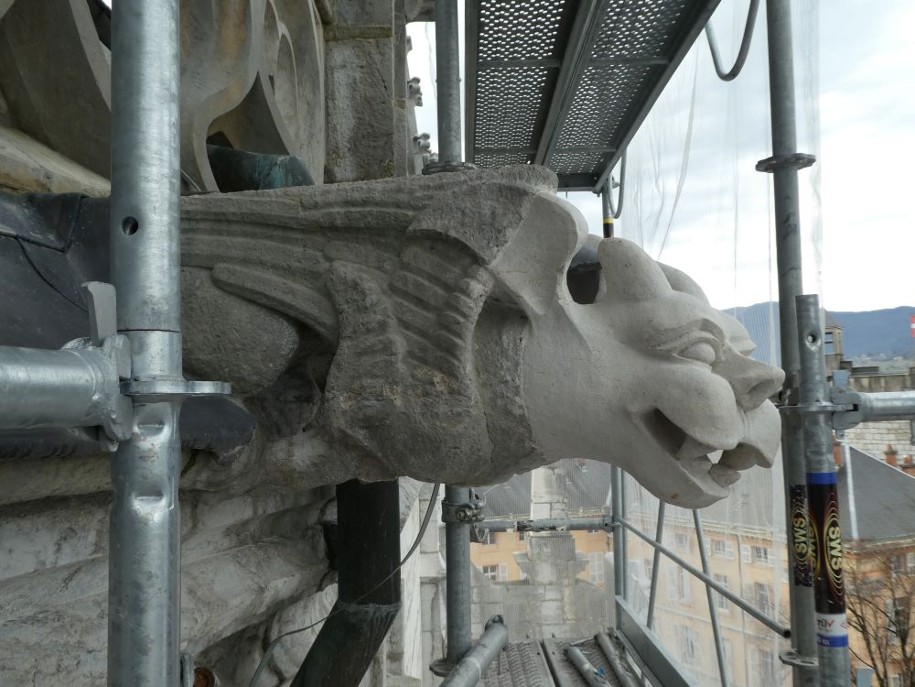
{"x":757,"y":393}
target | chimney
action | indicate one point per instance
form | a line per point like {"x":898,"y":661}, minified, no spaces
{"x":890,"y":455}
{"x":908,"y":465}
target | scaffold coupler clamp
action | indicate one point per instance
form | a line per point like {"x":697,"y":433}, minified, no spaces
{"x":791,"y":161}
{"x":467,"y":513}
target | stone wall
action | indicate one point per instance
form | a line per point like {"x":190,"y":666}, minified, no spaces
{"x":873,"y":438}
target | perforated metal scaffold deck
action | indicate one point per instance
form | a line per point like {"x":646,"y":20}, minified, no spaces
{"x":566,"y":83}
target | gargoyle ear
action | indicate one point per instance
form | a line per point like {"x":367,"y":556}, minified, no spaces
{"x":629,"y":273}
{"x":533,"y":266}
{"x":680,"y":281}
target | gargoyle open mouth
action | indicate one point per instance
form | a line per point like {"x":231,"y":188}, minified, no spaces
{"x":696,"y":457}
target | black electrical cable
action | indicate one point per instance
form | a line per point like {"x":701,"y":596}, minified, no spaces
{"x":744,"y":45}
{"x":422,"y":531}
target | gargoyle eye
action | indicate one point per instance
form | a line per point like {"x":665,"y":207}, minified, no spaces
{"x":700,"y":351}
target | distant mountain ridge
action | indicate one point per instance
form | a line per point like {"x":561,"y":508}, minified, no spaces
{"x":878,"y":334}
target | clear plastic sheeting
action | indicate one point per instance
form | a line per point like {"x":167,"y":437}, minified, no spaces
{"x":744,"y":544}
{"x":693,"y":197}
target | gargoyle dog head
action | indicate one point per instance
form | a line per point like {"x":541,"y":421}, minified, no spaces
{"x":651,"y":378}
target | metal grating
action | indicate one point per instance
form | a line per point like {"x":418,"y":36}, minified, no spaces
{"x":639,"y":28}
{"x":521,"y":665}
{"x":566,"y":83}
{"x":515,"y":95}
{"x":511,"y":30}
{"x":600,"y":104}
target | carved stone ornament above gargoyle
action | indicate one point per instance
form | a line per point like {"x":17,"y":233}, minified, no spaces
{"x":424,"y":327}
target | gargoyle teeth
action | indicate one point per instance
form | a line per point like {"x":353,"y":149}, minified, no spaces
{"x":723,"y":475}
{"x":741,"y":458}
{"x":693,"y":449}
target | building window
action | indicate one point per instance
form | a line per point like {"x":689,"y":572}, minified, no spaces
{"x":721,"y":602}
{"x":496,"y":573}
{"x":678,"y":585}
{"x":727,"y":651}
{"x":898,"y":564}
{"x":681,"y":541}
{"x":763,"y":596}
{"x":688,"y":642}
{"x":897,"y":614}
{"x":488,"y":538}
{"x":910,"y":561}
{"x":761,"y":555}
{"x":521,"y":536}
{"x":723,"y":548}
{"x":766,"y":668}
{"x":596,"y":567}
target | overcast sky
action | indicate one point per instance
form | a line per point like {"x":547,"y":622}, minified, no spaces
{"x":855,"y":67}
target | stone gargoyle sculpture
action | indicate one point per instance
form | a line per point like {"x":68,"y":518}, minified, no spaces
{"x":423,"y":327}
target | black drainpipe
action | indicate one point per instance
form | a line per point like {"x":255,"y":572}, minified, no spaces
{"x":368,"y":599}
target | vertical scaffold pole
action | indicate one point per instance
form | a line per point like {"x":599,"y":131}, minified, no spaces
{"x":448,"y":81}
{"x":143,"y":602}
{"x":829,"y":584}
{"x":784,"y":165}
{"x":457,"y":567}
{"x":619,"y":538}
{"x":606,"y":215}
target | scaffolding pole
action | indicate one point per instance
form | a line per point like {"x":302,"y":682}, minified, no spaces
{"x":829,"y":587}
{"x":448,"y":81}
{"x":143,"y":598}
{"x":784,"y":165}
{"x":457,"y":567}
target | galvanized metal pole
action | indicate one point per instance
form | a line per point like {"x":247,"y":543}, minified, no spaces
{"x":457,"y":568}
{"x":829,"y":587}
{"x":469,"y":672}
{"x":143,"y":602}
{"x":784,"y":165}
{"x":448,"y":81}
{"x":546,"y":525}
{"x":655,"y":565}
{"x":619,"y":536}
{"x":605,"y":208}
{"x":712,"y":608}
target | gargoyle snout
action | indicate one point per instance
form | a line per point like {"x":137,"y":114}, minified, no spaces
{"x":753,"y":382}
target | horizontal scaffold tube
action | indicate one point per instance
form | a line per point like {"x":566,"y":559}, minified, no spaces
{"x":469,"y":671}
{"x":584,"y":667}
{"x":71,"y":387}
{"x":545,"y":525}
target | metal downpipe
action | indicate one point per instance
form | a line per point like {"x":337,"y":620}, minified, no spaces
{"x":143,"y":599}
{"x":368,"y":555}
